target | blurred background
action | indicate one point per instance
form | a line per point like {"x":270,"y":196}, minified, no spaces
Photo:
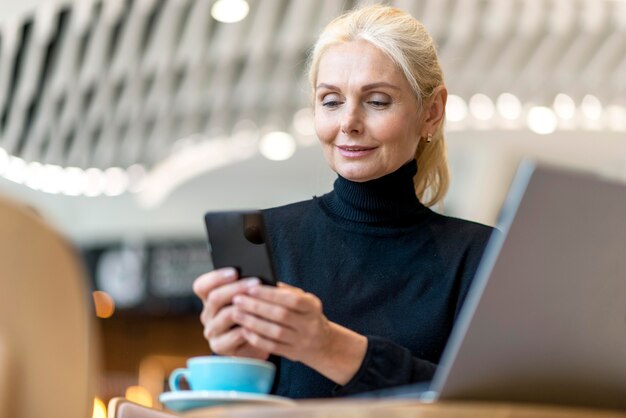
{"x":123,"y":121}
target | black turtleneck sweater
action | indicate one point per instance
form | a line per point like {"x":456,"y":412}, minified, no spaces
{"x":383,"y":265}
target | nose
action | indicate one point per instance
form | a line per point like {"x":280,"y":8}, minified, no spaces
{"x":351,"y":120}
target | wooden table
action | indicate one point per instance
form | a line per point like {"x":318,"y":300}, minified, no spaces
{"x":400,"y":408}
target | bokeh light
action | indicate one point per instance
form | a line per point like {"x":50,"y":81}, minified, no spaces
{"x":277,"y":146}
{"x":616,"y":118}
{"x":4,"y":160}
{"x":542,"y":120}
{"x":591,"y":107}
{"x":104,"y":304}
{"x":53,"y":177}
{"x":75,"y":181}
{"x":16,"y":170}
{"x":456,"y":109}
{"x":34,"y":176}
{"x":230,"y":11}
{"x":304,"y":121}
{"x":116,"y":181}
{"x":564,"y":106}
{"x":139,"y":395}
{"x":481,"y":107}
{"x":509,"y":106}
{"x":96,"y":182}
{"x":99,"y":409}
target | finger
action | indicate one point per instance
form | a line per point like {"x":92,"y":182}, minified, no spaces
{"x":204,"y":284}
{"x":222,"y":296}
{"x":233,"y":343}
{"x":267,"y":329}
{"x":204,"y":315}
{"x":266,"y":344}
{"x":227,"y":343}
{"x":291,"y":298}
{"x":288,"y":286}
{"x":266,"y":310}
{"x":220,"y":324}
{"x":249,"y":351}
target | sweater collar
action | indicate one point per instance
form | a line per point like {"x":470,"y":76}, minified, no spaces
{"x":390,"y":198}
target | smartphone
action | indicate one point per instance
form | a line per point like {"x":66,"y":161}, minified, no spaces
{"x":238,"y":239}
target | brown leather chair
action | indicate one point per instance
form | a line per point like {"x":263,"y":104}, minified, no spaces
{"x":5,"y":363}
{"x":47,"y":359}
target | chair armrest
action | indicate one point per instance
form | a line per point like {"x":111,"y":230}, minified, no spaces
{"x":123,"y":408}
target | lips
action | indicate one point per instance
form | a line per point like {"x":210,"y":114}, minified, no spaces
{"x":354,"y":148}
{"x":355,"y":151}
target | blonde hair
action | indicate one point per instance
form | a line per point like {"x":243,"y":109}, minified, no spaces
{"x":410,"y":47}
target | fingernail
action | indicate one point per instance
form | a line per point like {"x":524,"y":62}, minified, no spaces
{"x":230,"y":273}
{"x":253,"y":282}
{"x":237,"y":299}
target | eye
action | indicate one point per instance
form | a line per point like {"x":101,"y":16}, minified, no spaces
{"x":330,"y":103}
{"x":379,"y":101}
{"x":331,"y":100}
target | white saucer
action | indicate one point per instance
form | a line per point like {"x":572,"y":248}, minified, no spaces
{"x":190,"y":399}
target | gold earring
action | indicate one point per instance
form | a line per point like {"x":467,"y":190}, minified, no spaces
{"x":429,"y":138}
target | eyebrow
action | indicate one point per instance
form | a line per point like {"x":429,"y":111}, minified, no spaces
{"x":364,"y":88}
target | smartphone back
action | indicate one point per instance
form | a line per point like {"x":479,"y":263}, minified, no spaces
{"x":237,"y":239}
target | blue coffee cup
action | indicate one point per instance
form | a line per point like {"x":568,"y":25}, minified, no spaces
{"x":217,"y":373}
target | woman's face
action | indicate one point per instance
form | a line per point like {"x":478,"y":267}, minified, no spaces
{"x":366,"y":115}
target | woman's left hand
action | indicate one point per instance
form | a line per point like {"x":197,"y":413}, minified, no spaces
{"x":283,"y":320}
{"x":289,"y":322}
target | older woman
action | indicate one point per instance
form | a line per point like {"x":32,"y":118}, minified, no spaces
{"x":374,"y":279}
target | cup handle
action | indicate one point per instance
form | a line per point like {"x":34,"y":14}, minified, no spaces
{"x":175,"y":379}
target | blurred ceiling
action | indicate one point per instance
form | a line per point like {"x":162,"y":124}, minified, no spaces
{"x":118,"y":82}
{"x":129,"y":90}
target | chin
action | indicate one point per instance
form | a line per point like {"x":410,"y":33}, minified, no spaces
{"x":358,"y":174}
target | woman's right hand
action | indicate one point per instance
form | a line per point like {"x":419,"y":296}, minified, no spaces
{"x":217,"y":289}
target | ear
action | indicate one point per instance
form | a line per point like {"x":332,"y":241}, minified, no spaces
{"x":435,"y":110}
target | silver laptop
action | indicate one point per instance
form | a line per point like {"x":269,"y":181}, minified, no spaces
{"x":545,"y":319}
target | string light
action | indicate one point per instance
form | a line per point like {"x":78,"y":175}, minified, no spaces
{"x":34,"y":176}
{"x":616,"y":116}
{"x":564,"y":106}
{"x":52,"y":178}
{"x":278,"y":145}
{"x":75,"y":181}
{"x":96,"y":182}
{"x":136,"y":175}
{"x":16,"y":170}
{"x":542,"y":120}
{"x":4,"y":160}
{"x":456,"y":109}
{"x":481,"y":107}
{"x":509,"y":106}
{"x":230,"y":11}
{"x":116,"y":181}
{"x":591,"y":107}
